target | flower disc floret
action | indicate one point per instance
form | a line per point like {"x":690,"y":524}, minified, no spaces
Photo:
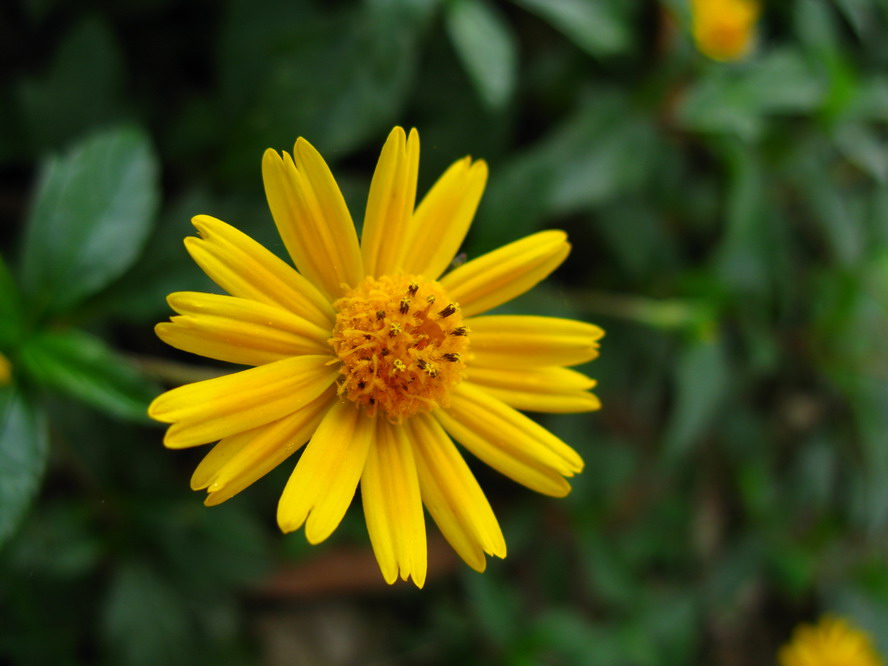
{"x":401,"y":344}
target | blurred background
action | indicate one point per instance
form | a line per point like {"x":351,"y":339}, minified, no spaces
{"x":729,"y":216}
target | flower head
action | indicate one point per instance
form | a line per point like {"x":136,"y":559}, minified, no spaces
{"x":831,"y":642}
{"x":376,"y":358}
{"x":724,"y":29}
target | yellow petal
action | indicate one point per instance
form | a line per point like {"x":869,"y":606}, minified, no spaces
{"x":393,"y":506}
{"x":508,"y":441}
{"x":215,"y":408}
{"x":521,"y":341}
{"x":244,"y":268}
{"x":312,"y":218}
{"x":390,"y":204}
{"x":499,"y":276}
{"x":453,"y":496}
{"x":724,"y":29}
{"x":238,"y":330}
{"x":546,"y":389}
{"x":325,"y":479}
{"x":237,"y":461}
{"x":442,"y":219}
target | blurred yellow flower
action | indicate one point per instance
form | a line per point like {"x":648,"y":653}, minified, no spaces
{"x":831,"y":642}
{"x":378,"y":360}
{"x":5,"y":370}
{"x":724,"y":29}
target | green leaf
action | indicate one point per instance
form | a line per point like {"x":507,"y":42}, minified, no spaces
{"x":145,"y":619}
{"x":60,"y":541}
{"x":600,"y":153}
{"x":165,"y":266}
{"x":860,"y":15}
{"x":863,"y":146}
{"x":816,"y":26}
{"x":742,"y":258}
{"x":486,"y":46}
{"x":736,"y":100}
{"x":495,"y":606}
{"x":599,"y":28}
{"x":616,"y":159}
{"x":270,"y":62}
{"x":24,"y":448}
{"x":83,"y":367}
{"x":701,"y":385}
{"x":10,"y":308}
{"x":81,"y":89}
{"x":91,"y":214}
{"x":829,"y":206}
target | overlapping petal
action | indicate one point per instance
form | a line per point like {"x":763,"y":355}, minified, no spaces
{"x":312,"y":218}
{"x":390,"y":204}
{"x":325,"y":479}
{"x":393,"y":505}
{"x":239,"y":460}
{"x":453,"y":496}
{"x":205,"y":411}
{"x":442,"y":219}
{"x":501,"y":275}
{"x":508,"y":441}
{"x":546,"y":389}
{"x":244,"y":268}
{"x":238,"y":330}
{"x":508,"y":341}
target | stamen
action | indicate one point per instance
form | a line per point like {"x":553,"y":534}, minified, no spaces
{"x":449,"y":310}
{"x":397,"y":357}
{"x":429,"y":368}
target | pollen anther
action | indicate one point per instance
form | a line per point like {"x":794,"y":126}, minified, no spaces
{"x":449,"y":310}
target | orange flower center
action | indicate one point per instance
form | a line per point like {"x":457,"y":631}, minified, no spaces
{"x":401,"y":344}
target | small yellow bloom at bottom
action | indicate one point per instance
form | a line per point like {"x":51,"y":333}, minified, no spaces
{"x":724,"y":29}
{"x":831,"y":642}
{"x":5,"y":371}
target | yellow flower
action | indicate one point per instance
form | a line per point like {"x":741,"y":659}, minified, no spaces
{"x":832,"y":642}
{"x":5,"y":370}
{"x":724,"y":29}
{"x":378,"y":360}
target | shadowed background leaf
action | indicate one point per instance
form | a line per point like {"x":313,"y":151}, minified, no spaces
{"x":729,"y":225}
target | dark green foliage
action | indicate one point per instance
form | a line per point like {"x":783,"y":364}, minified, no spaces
{"x":730,"y":231}
{"x":91,"y":214}
{"x":23,"y":453}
